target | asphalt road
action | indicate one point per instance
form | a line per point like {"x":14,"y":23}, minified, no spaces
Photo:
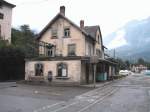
{"x":131,"y":94}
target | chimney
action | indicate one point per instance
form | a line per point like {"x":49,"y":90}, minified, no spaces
{"x":62,"y":10}
{"x":82,"y":24}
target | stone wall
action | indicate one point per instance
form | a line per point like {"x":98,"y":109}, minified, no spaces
{"x":74,"y":69}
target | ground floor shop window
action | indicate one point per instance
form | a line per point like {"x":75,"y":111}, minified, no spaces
{"x":39,"y":69}
{"x":62,"y":70}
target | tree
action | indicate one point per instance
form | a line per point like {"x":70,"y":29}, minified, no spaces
{"x":127,"y":64}
{"x":141,"y":61}
{"x":24,"y":38}
{"x":3,"y":43}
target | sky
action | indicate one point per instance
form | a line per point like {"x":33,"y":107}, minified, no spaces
{"x":109,"y":14}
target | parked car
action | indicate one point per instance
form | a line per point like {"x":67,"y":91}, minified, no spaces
{"x":147,"y":72}
{"x":124,"y":72}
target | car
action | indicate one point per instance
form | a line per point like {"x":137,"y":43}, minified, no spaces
{"x":147,"y":72}
{"x":124,"y":72}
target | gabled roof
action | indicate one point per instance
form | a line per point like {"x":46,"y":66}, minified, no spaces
{"x":72,"y":23}
{"x":8,"y":4}
{"x":91,"y":30}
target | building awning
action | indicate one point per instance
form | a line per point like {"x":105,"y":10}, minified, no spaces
{"x":101,"y":60}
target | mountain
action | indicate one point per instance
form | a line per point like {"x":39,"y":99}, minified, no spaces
{"x":136,"y":39}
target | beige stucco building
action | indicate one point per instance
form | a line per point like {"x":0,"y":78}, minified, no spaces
{"x":65,"y":50}
{"x":5,"y":20}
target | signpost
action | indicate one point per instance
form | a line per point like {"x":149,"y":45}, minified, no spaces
{"x":94,"y":61}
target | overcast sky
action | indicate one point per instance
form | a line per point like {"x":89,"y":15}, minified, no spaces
{"x":109,"y":14}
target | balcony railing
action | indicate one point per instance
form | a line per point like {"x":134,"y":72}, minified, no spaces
{"x":46,"y":49}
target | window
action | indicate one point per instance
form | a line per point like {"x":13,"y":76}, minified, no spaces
{"x":41,"y":48}
{"x":39,"y":69}
{"x":67,"y":32}
{"x":54,"y":32}
{"x":51,"y":52}
{"x":1,"y":16}
{"x":71,"y":49}
{"x":62,"y":70}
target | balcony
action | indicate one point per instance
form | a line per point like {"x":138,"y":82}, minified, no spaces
{"x":46,"y":49}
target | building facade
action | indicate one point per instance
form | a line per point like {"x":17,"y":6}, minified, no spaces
{"x":5,"y":20}
{"x":138,"y":68}
{"x":65,"y":50}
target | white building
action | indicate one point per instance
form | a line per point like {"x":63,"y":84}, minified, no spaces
{"x":5,"y":20}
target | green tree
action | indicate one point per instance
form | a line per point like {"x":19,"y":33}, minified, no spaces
{"x":24,"y":38}
{"x":127,"y":64}
{"x":3,"y":43}
{"x":141,"y":61}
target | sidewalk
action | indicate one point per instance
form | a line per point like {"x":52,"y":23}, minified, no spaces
{"x":98,"y":84}
{"x":102,"y":84}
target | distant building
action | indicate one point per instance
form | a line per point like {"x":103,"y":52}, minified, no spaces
{"x":5,"y":20}
{"x":138,"y":68}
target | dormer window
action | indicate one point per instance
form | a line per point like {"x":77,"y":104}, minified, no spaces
{"x":54,"y":33}
{"x":67,"y":32}
{"x":1,"y":16}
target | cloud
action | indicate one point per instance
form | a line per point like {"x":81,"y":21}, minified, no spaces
{"x":118,"y":41}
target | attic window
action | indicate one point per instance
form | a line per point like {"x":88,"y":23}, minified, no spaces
{"x":54,"y":33}
{"x":67,"y":32}
{"x":1,"y":16}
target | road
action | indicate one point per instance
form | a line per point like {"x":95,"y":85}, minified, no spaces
{"x":131,"y":94}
